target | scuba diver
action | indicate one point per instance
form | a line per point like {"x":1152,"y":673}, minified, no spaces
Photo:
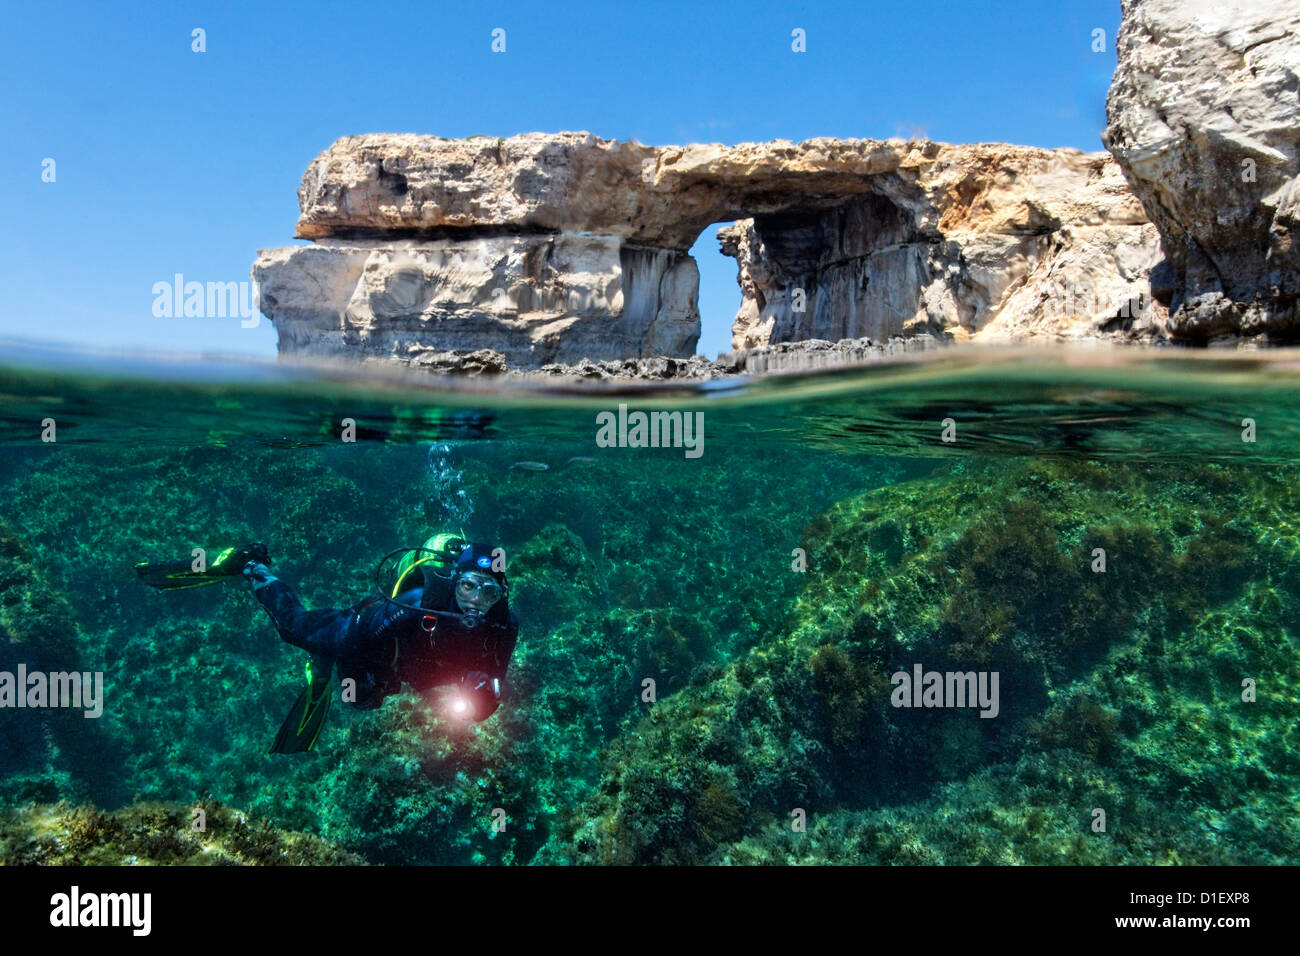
{"x":446,"y":620}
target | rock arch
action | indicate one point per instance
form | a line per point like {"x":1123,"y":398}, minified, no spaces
{"x":555,"y":248}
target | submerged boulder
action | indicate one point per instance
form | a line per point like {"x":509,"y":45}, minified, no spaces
{"x":981,"y":570}
{"x":206,"y":834}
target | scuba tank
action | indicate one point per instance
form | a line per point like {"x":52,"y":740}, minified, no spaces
{"x":434,"y":560}
{"x":434,"y":563}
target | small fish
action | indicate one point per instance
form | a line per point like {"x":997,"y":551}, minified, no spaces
{"x":581,"y":459}
{"x":531,"y":466}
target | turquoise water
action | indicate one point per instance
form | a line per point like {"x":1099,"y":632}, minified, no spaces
{"x":826,"y":539}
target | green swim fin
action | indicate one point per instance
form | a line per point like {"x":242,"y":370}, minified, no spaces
{"x":306,"y":720}
{"x":182,"y":575}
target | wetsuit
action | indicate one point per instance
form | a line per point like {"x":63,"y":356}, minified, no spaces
{"x":382,"y":646}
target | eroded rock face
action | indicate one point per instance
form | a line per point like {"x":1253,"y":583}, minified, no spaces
{"x":1204,"y":119}
{"x":536,"y":299}
{"x":558,"y":248}
{"x":1003,"y":244}
{"x":659,"y":196}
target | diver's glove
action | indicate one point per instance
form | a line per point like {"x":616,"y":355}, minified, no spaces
{"x":259,"y":575}
{"x":483,"y":692}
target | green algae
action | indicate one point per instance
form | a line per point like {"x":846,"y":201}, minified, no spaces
{"x":1107,"y":696}
{"x":155,"y":834}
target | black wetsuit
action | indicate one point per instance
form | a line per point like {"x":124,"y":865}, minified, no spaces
{"x":382,"y":646}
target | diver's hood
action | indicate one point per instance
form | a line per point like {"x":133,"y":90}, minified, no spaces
{"x":478,"y":556}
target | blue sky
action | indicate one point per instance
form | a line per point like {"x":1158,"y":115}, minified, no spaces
{"x":170,"y":161}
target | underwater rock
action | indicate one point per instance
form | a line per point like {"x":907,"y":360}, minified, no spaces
{"x":1097,"y":672}
{"x":1203,"y":120}
{"x":558,"y":248}
{"x":155,"y":834}
{"x":41,"y":632}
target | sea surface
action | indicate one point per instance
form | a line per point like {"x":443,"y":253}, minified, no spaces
{"x":725,"y":648}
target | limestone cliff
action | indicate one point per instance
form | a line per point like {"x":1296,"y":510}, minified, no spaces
{"x":564,"y":247}
{"x":1204,"y":119}
{"x":992,"y":241}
